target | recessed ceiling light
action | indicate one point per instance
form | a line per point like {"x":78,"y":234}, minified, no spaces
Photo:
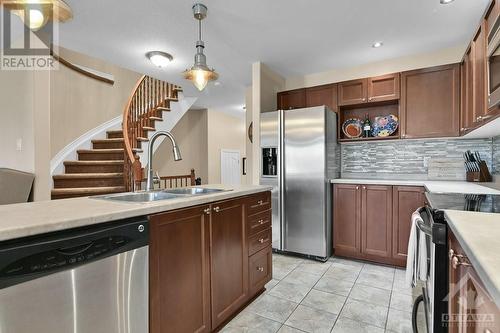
{"x":159,"y":58}
{"x":445,"y":2}
{"x":217,"y":83}
{"x":377,"y":44}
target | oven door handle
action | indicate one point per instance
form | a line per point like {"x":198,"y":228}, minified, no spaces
{"x":424,"y":227}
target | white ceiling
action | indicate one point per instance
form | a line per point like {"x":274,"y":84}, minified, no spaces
{"x":294,"y":37}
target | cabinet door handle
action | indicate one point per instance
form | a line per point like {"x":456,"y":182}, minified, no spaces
{"x":260,"y":222}
{"x":207,"y":211}
{"x":260,"y":269}
{"x":458,"y":260}
{"x":216,"y":209}
{"x":364,"y":187}
{"x":261,"y":240}
{"x":357,"y":187}
{"x":364,"y":99}
{"x":463,"y":129}
{"x":260,"y":202}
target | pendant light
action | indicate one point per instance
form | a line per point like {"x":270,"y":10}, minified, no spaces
{"x":200,"y":74}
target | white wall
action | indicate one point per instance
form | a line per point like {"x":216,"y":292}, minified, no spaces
{"x":224,"y":132}
{"x":265,"y":85}
{"x":16,"y":120}
{"x":191,"y":136}
{"x":441,"y":57}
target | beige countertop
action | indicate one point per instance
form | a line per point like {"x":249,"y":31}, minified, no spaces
{"x":436,"y":186}
{"x":26,"y":219}
{"x":479,"y":236}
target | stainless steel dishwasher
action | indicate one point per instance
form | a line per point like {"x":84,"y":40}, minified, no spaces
{"x":84,"y":280}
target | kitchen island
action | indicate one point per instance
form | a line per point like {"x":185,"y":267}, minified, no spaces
{"x":199,"y":261}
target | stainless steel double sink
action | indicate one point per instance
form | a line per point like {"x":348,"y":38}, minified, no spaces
{"x":149,"y":196}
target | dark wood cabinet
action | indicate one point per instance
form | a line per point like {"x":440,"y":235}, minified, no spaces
{"x":466,"y":92}
{"x":229,"y":259}
{"x":383,"y":88}
{"x":292,"y":99}
{"x":430,"y":102}
{"x":347,"y":220}
{"x":322,"y":95}
{"x":373,"y":222}
{"x":376,"y":222}
{"x":469,"y":302}
{"x":207,"y":262}
{"x":406,"y":200}
{"x":492,"y":15}
{"x":480,"y":105}
{"x":180,"y":271}
{"x":353,"y":92}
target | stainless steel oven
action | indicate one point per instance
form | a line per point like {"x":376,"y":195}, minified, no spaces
{"x":493,"y":54}
{"x":435,"y":288}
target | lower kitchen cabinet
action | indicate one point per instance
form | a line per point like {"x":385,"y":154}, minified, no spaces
{"x":372,"y":222}
{"x":347,"y":220}
{"x":471,"y":308}
{"x":180,"y":271}
{"x":406,"y":200}
{"x":229,"y":264}
{"x":376,"y":222}
{"x":202,"y":270}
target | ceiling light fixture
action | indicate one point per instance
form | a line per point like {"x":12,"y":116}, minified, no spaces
{"x":445,"y":2}
{"x":376,"y":45}
{"x":200,"y":74}
{"x":159,"y":58}
{"x":36,"y":14}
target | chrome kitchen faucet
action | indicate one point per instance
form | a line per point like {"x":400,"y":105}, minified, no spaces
{"x":175,"y":149}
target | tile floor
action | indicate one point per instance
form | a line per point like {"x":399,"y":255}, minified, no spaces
{"x":339,"y":296}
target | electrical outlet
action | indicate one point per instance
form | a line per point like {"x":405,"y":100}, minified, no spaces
{"x":19,"y":144}
{"x":426,"y":161}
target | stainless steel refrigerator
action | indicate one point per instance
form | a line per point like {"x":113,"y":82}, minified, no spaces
{"x":299,"y":155}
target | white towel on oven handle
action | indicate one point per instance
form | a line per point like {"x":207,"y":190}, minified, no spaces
{"x":416,"y":262}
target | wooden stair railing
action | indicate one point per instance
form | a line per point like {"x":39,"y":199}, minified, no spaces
{"x":149,"y":99}
{"x":172,"y":181}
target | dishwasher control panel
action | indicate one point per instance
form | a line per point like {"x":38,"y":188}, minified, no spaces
{"x":63,"y":257}
{"x":32,"y":257}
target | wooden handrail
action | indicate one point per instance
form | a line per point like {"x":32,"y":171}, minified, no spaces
{"x":173,"y":181}
{"x":148,"y":99}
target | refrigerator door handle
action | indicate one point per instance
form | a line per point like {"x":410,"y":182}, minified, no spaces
{"x":282,"y":178}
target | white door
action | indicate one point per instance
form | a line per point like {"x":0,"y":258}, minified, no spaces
{"x":230,"y":167}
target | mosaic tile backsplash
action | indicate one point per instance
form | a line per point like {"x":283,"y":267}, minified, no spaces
{"x":411,"y":157}
{"x":496,"y":155}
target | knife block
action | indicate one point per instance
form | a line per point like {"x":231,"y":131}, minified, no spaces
{"x":483,"y":175}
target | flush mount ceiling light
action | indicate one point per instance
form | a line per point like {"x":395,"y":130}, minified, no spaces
{"x":36,"y":14}
{"x":200,"y":74}
{"x":159,"y":58}
{"x":376,"y":45}
{"x":445,"y":2}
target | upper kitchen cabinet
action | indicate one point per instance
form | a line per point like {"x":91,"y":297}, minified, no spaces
{"x":383,"y":88}
{"x":430,"y":102}
{"x":492,"y":15}
{"x":292,"y":99}
{"x":353,"y":92}
{"x":322,"y":95}
{"x":479,"y":72}
{"x":466,"y":92}
{"x":373,"y":89}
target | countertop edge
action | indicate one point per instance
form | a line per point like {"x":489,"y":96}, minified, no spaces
{"x":130,"y":210}
{"x":490,"y":286}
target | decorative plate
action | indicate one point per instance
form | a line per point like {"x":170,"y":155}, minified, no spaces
{"x":385,"y":125}
{"x":352,"y":128}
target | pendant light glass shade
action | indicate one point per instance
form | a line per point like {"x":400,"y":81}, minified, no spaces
{"x":39,"y":12}
{"x":200,"y":74}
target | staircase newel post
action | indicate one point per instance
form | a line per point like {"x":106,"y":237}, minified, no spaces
{"x":137,"y":174}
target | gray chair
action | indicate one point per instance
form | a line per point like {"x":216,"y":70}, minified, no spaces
{"x":15,"y":186}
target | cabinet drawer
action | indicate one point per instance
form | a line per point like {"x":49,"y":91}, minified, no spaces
{"x":260,"y":269}
{"x":259,"y":241}
{"x":258,"y":203}
{"x":259,"y":222}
